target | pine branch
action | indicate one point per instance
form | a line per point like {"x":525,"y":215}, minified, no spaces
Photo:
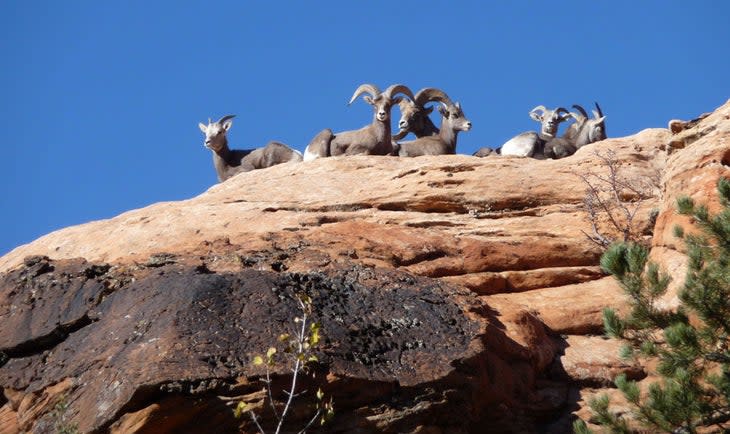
{"x":691,"y":396}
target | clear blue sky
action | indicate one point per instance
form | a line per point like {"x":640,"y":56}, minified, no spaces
{"x":101,"y":100}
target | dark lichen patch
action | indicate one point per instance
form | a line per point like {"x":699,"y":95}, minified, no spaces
{"x":179,"y":325}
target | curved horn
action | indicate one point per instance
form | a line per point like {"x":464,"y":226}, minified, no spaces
{"x":598,"y":107}
{"x":400,"y":135}
{"x":561,"y":109}
{"x":540,"y":107}
{"x":427,"y":94}
{"x":394,"y":89}
{"x":225,"y":118}
{"x":369,"y":88}
{"x":581,"y":110}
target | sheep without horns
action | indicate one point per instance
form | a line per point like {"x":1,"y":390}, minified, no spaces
{"x":229,"y":162}
{"x":452,"y":121}
{"x":372,"y":139}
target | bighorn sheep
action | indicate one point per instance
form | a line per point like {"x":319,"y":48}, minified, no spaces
{"x":584,"y":131}
{"x":319,"y":147}
{"x":372,"y":139}
{"x":531,"y":143}
{"x":452,"y":121}
{"x":414,"y":114}
{"x":485,"y":152}
{"x":228,"y":162}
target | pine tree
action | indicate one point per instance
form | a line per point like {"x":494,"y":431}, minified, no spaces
{"x":691,"y":343}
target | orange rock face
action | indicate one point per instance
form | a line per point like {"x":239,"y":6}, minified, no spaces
{"x":510,"y":232}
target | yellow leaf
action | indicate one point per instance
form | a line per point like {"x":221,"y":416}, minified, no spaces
{"x":270,"y":353}
{"x":258,"y":360}
{"x":320,"y":394}
{"x":240,"y":408}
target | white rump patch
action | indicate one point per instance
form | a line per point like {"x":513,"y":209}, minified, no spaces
{"x":309,"y":156}
{"x":522,"y":145}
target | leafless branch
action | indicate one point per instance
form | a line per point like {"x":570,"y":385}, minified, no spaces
{"x":614,"y":197}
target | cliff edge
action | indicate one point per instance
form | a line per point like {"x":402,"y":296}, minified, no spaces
{"x":455,"y":294}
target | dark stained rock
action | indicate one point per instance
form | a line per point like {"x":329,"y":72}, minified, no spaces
{"x":43,"y":302}
{"x":168,"y":340}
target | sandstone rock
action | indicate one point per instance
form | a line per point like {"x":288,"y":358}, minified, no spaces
{"x":8,"y":420}
{"x":529,"y":332}
{"x":595,"y":361}
{"x":174,"y":338}
{"x":677,"y":126}
{"x":570,"y":309}
{"x":437,"y":216}
{"x":47,"y":302}
{"x":487,"y":283}
{"x":443,"y":285}
{"x":694,"y":171}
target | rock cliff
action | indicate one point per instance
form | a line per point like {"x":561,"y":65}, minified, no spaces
{"x":456,"y":294}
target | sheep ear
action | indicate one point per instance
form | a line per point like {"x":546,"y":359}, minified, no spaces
{"x":600,"y":120}
{"x":566,"y":116}
{"x":203,"y":127}
{"x":443,"y":111}
{"x":368,"y":100}
{"x":227,"y":124}
{"x":536,"y":116}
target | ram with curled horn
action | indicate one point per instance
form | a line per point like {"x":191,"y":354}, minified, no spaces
{"x":415,"y":115}
{"x":453,"y":121}
{"x":372,"y":139}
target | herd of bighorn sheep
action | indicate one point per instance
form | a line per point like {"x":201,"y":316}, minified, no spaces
{"x":376,"y":138}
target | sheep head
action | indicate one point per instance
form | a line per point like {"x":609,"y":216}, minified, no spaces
{"x":414,"y":112}
{"x":453,"y":117}
{"x":411,"y":116}
{"x":549,"y":119}
{"x":596,"y":126}
{"x":586,"y":130}
{"x":215,"y":132}
{"x":580,"y":119}
{"x":381,"y":102}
